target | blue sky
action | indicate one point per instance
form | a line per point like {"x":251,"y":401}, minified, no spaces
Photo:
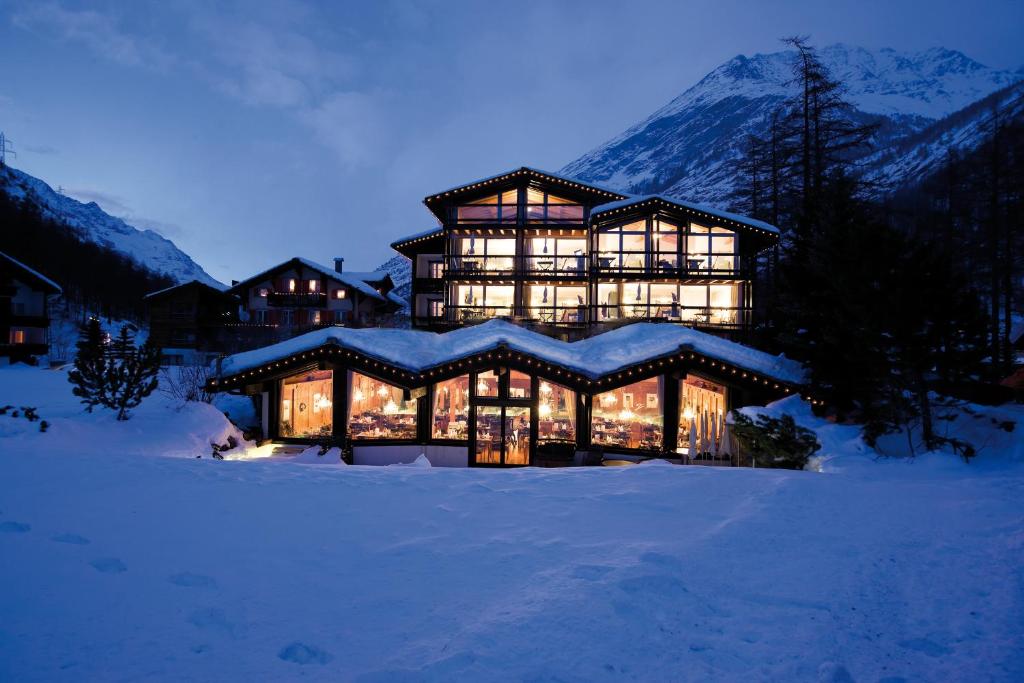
{"x":248,"y":132}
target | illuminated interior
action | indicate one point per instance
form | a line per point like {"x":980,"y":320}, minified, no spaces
{"x":702,"y":409}
{"x":377,"y":410}
{"x":503,"y":430}
{"x":552,"y":303}
{"x":630,"y":416}
{"x":556,"y":413}
{"x":306,"y":410}
{"x":451,"y":409}
{"x":483,"y":301}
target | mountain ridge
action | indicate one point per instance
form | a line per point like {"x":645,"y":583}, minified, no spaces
{"x":91,"y":223}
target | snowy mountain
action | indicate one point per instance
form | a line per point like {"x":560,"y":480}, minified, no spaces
{"x":401,"y":274}
{"x":92,"y":224}
{"x":688,"y":148}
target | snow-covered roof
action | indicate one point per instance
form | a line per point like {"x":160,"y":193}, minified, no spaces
{"x":425,"y":234}
{"x":711,"y":212}
{"x":219,"y":290}
{"x":579,"y":184}
{"x":34,"y":273}
{"x":594,"y":357}
{"x":357,"y":280}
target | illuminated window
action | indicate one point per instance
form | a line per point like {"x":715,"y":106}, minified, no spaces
{"x":377,"y":410}
{"x":306,"y":410}
{"x":702,"y":407}
{"x":451,"y":409}
{"x":17,"y":336}
{"x":339,"y":294}
{"x":313,"y":285}
{"x":483,"y":301}
{"x":518,"y":384}
{"x":291,"y":284}
{"x":630,"y":416}
{"x":556,"y":413}
{"x":542,"y":207}
{"x":500,"y":208}
{"x":264,"y":291}
{"x":487,"y":384}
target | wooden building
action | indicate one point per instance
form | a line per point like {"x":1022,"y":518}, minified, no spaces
{"x":497,"y":394}
{"x":299,"y":295}
{"x":192,"y":322}
{"x":24,"y":314}
{"x":570,"y":258}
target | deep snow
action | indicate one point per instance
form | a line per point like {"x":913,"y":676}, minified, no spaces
{"x":116,"y":565}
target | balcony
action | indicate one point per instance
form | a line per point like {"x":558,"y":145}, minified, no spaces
{"x":577,"y":314}
{"x":574,"y":266}
{"x":692,"y":265}
{"x":297,"y":299}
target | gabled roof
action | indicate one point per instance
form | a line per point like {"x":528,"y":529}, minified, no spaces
{"x":45,"y":283}
{"x":544,"y":176}
{"x":423,"y":236}
{"x":190,"y":283}
{"x":353,"y":280}
{"x":415,"y":352}
{"x":700,"y":210}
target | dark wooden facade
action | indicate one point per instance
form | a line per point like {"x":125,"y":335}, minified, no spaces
{"x":24,"y":314}
{"x":190,"y":320}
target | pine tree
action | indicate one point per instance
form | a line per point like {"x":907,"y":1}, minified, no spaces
{"x":90,"y":375}
{"x":133,"y":376}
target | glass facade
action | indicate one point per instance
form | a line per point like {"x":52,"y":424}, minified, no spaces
{"x":451,"y":409}
{"x":630,"y":416}
{"x":702,"y":410}
{"x":556,"y":413}
{"x":306,"y":410}
{"x":377,"y":410}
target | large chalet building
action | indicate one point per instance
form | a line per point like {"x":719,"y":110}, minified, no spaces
{"x":535,"y":298}
{"x":570,"y":258}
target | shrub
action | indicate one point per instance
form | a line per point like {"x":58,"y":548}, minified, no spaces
{"x":774,"y":442}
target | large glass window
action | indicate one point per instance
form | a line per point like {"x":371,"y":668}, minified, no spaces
{"x":503,"y":435}
{"x":518,"y":384}
{"x":557,"y":303}
{"x":474,"y":254}
{"x":710,"y":250}
{"x":377,"y":410}
{"x":499,"y":208}
{"x":622,"y":248}
{"x":556,"y":255}
{"x":630,"y":416}
{"x":665,"y":245}
{"x":556,"y":413}
{"x":487,"y":384}
{"x":702,"y":406}
{"x":306,"y":410}
{"x":475,"y":302}
{"x":451,"y":409}
{"x":542,"y":207}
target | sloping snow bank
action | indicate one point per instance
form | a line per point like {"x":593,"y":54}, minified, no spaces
{"x":997,"y":432}
{"x":158,"y":427}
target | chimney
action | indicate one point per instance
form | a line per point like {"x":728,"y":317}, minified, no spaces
{"x":339,"y":263}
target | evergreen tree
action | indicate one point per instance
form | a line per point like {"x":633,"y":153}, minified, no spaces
{"x":90,"y":375}
{"x":133,"y":373}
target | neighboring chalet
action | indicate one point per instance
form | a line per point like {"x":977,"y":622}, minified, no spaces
{"x":24,"y":318}
{"x":299,"y":295}
{"x":498,"y":394}
{"x":192,"y":322}
{"x":569,"y":258}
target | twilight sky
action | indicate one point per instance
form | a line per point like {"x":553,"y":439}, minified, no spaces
{"x":252,"y":131}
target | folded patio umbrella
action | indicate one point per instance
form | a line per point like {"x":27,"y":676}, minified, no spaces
{"x":714,"y":438}
{"x":693,"y":437}
{"x":726,"y":449}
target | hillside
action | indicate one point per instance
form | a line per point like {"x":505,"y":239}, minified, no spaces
{"x":90,"y":223}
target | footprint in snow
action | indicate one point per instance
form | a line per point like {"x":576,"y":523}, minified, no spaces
{"x":14,"y":527}
{"x":73,"y":539}
{"x":190,"y":580}
{"x":300,"y":653}
{"x":212,"y":618}
{"x":109,"y":565}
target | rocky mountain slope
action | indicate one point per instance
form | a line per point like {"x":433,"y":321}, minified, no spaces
{"x":92,"y":224}
{"x":689,"y":147}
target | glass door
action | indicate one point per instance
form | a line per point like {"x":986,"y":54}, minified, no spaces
{"x":502,"y":435}
{"x":488,"y":435}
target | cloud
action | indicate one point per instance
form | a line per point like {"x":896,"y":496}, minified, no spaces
{"x":355,"y":125}
{"x":98,"y":32}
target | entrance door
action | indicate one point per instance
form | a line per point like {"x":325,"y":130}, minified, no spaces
{"x":503,"y":435}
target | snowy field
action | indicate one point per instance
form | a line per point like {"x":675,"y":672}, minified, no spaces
{"x":118,"y":565}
